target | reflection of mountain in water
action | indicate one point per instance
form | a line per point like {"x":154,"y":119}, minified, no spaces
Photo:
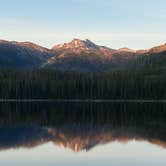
{"x":81,"y":126}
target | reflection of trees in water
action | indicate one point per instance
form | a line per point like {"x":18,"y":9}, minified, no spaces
{"x":81,"y":126}
{"x":91,"y":113}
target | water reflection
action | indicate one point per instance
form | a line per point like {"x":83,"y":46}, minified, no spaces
{"x":80,"y":126}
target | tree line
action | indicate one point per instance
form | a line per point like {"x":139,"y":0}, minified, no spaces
{"x":146,"y":83}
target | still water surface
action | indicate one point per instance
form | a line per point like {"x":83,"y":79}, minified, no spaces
{"x":67,"y":134}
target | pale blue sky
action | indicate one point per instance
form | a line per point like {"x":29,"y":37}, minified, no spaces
{"x":132,"y":153}
{"x":115,"y":23}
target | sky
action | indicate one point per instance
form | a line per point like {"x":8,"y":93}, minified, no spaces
{"x":138,"y":154}
{"x":137,"y":24}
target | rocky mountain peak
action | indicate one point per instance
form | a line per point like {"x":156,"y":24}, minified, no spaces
{"x":77,"y":44}
{"x":126,"y":49}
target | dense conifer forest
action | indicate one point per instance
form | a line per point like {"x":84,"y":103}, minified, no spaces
{"x":144,"y":83}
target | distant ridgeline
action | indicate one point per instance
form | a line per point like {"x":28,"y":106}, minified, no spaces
{"x":145,"y":83}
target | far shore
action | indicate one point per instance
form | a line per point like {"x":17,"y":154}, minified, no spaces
{"x":86,"y":100}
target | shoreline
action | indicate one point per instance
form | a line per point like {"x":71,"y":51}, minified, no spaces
{"x":84,"y":100}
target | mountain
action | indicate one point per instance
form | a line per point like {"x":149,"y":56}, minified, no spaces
{"x":80,"y":55}
{"x":77,"y":44}
{"x":22,"y":54}
{"x":158,"y":49}
{"x":84,"y":55}
{"x":125,"y":49}
{"x":77,"y":55}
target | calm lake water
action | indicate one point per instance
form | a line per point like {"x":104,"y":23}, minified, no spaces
{"x":68,"y":134}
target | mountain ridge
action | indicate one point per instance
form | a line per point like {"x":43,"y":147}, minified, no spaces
{"x":77,"y":55}
{"x":159,"y":47}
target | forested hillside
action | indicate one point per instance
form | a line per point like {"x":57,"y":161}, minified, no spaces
{"x":153,"y":60}
{"x":147,"y":83}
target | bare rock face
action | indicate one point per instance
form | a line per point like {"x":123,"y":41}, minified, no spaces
{"x":125,"y":49}
{"x":84,"y":55}
{"x":77,"y":44}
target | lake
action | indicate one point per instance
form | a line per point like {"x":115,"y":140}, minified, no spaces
{"x":67,"y":134}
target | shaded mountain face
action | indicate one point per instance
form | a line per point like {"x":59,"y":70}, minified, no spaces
{"x":77,"y":55}
{"x":22,"y":55}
